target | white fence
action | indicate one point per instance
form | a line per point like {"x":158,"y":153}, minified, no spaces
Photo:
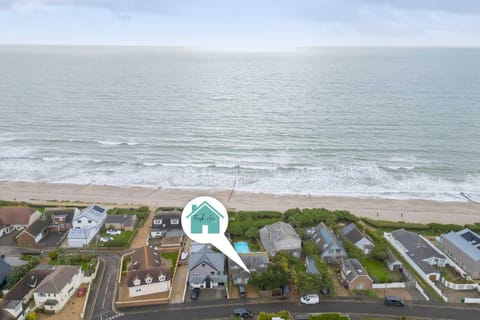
{"x":459,"y":286}
{"x":390,"y":285}
{"x":471,"y":300}
{"x":420,"y":289}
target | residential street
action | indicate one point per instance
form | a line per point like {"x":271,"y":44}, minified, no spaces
{"x":353,"y":307}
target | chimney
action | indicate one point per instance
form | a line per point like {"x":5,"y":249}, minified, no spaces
{"x":194,"y":207}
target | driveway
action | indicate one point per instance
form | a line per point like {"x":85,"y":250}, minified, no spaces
{"x":213,"y":294}
{"x":144,"y":231}
{"x":9,"y":239}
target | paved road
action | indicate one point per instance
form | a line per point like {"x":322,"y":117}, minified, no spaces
{"x":103,"y":289}
{"x":353,"y":307}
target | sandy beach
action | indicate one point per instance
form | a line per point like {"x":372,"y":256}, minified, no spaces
{"x":385,"y":209}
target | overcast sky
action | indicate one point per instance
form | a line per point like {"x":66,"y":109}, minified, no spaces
{"x":246,"y":24}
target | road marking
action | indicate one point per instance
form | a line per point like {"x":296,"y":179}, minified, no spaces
{"x":106,"y":289}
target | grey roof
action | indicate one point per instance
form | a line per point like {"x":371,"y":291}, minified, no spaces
{"x":351,"y":233}
{"x":323,"y":237}
{"x":467,"y":241}
{"x":4,"y":270}
{"x":311,"y":267}
{"x":352,"y":268}
{"x":58,"y":279}
{"x":281,"y":231}
{"x":78,"y":233}
{"x":11,"y":304}
{"x":208,"y":256}
{"x":127,"y":220}
{"x":22,"y":288}
{"x":254,"y":261}
{"x":93,"y":212}
{"x":68,"y":212}
{"x":418,"y":249}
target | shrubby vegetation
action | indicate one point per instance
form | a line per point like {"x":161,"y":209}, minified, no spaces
{"x":429,"y":229}
{"x":19,"y":272}
{"x":88,"y":262}
{"x":310,"y":217}
{"x":268,"y":316}
{"x":329,"y":316}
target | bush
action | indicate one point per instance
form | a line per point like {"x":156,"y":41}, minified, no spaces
{"x":311,"y":217}
{"x":353,"y":251}
{"x":53,"y":254}
{"x":31,"y":316}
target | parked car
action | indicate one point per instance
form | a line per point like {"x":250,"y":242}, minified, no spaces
{"x":114,"y":232}
{"x":241,"y":290}
{"x":243,"y":313}
{"x":105,"y":239}
{"x":195,"y":293}
{"x":81,"y":292}
{"x":394,"y":301}
{"x":310,"y":299}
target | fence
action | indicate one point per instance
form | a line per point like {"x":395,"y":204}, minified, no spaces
{"x":471,"y":300}
{"x":459,"y":286}
{"x":391,"y":285}
{"x":89,"y":280}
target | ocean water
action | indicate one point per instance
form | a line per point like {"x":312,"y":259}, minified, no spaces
{"x":383,"y":122}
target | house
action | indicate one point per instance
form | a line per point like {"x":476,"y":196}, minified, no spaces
{"x":120,"y":222}
{"x":52,"y":221}
{"x":463,"y":248}
{"x":15,"y":303}
{"x":148,"y":273}
{"x":14,"y":309}
{"x":327,"y":242}
{"x":207,"y":268}
{"x":352,"y":233}
{"x":4,"y":271}
{"x":280,"y":236}
{"x":204,"y":215}
{"x":16,"y":218}
{"x":354,"y":275}
{"x":86,"y":225}
{"x":419,"y":253}
{"x":164,"y":222}
{"x":255,"y":262}
{"x":55,"y":290}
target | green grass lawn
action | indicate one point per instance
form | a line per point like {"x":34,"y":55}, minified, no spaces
{"x":379,"y":271}
{"x":172,"y":256}
{"x":119,"y":241}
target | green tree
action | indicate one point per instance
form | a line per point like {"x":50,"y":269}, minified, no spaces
{"x":252,"y":232}
{"x":353,"y":251}
{"x":53,"y":254}
{"x":380,"y":252}
{"x":309,"y":282}
{"x":31,"y":316}
{"x":310,"y":248}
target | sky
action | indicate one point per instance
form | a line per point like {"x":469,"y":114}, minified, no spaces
{"x":248,"y":24}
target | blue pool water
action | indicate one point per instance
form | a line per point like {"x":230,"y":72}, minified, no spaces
{"x":241,"y":247}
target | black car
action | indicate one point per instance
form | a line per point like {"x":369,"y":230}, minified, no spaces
{"x":195,"y":293}
{"x":243,"y":313}
{"x":394,"y":301}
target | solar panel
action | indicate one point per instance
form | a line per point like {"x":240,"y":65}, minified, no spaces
{"x":326,"y":235}
{"x":99,"y":209}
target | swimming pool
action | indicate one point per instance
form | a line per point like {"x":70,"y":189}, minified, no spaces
{"x":241,"y":247}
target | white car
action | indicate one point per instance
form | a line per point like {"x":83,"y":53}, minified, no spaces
{"x":310,"y":299}
{"x":105,"y":239}
{"x":114,"y":232}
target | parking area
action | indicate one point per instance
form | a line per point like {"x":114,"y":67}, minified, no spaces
{"x":53,"y":239}
{"x":8,"y":240}
{"x":251,"y":293}
{"x":399,"y":292}
{"x":212,"y":294}
{"x":456,"y":296}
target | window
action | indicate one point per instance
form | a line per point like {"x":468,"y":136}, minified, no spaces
{"x":212,"y":273}
{"x":136,"y":282}
{"x":148,"y":280}
{"x":174,"y":221}
{"x":89,"y":221}
{"x":203,"y":265}
{"x":196,"y":273}
{"x":41,"y":294}
{"x":162,"y":277}
{"x":157,"y":221}
{"x":138,"y":290}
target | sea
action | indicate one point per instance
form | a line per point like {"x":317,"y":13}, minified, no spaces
{"x":368,"y":122}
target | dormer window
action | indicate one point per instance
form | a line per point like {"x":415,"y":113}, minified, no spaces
{"x":157,"y":221}
{"x":148,"y":280}
{"x":174,"y":221}
{"x":162,"y":277}
{"x":137,"y":282}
